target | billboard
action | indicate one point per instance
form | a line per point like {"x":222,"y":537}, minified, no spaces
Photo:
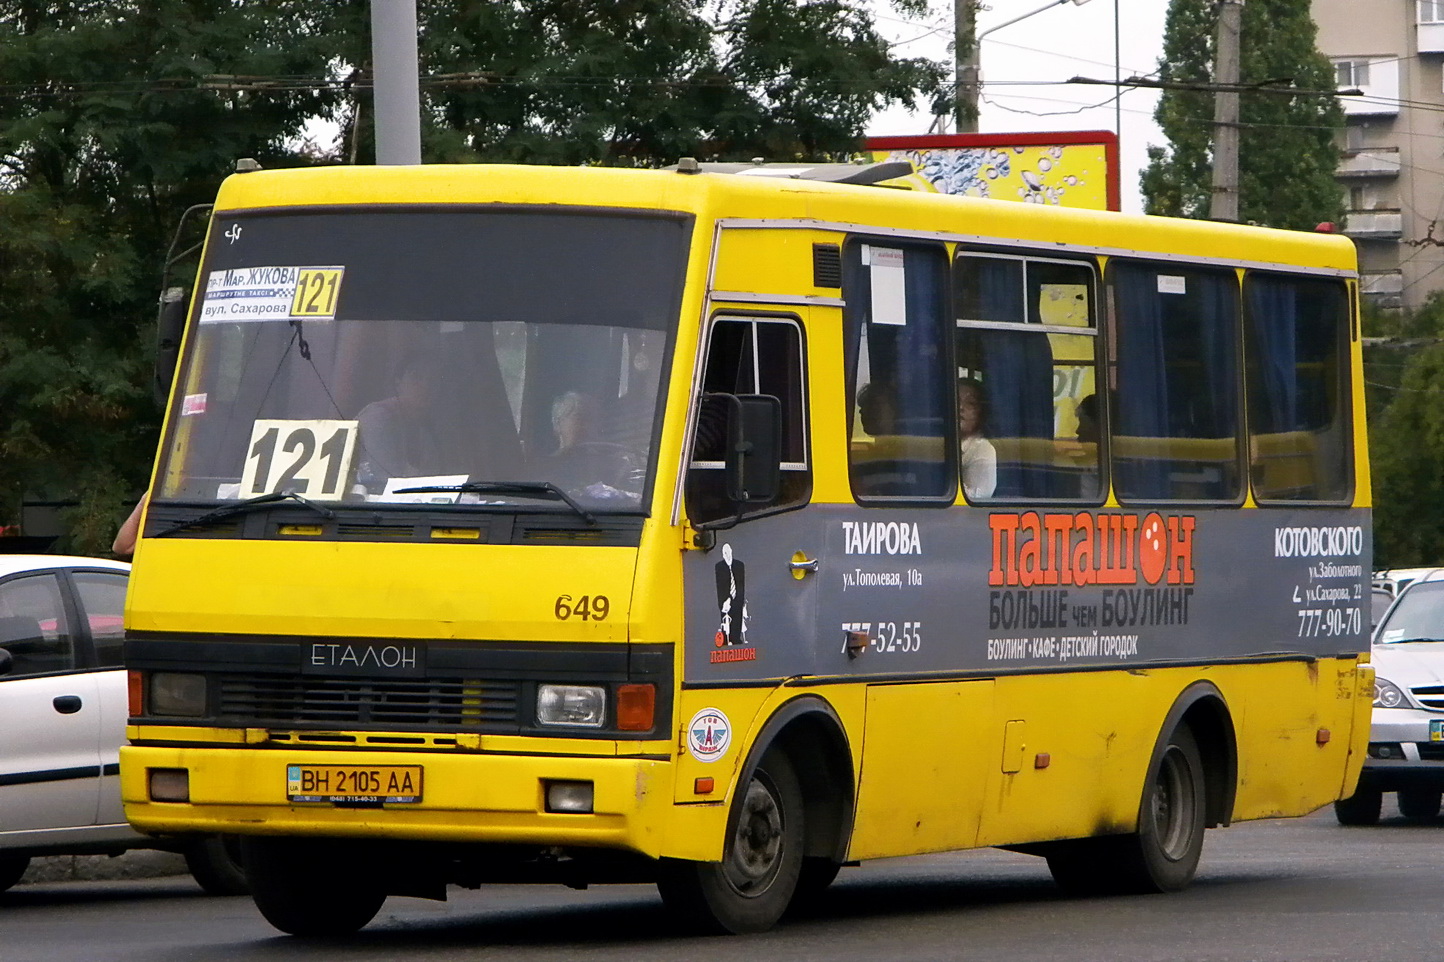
{"x":1067,"y":168}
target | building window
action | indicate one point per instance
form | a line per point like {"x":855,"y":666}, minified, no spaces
{"x":1431,"y":11}
{"x":1351,"y":73}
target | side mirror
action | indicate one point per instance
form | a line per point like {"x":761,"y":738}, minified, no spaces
{"x":7,"y":661}
{"x":754,"y":449}
{"x":170,"y":324}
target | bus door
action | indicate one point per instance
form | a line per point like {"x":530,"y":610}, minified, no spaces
{"x":749,"y":598}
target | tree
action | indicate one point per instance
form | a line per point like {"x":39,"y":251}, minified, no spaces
{"x":1287,"y":154}
{"x":1403,"y":363}
{"x":118,"y":115}
{"x":115,"y":119}
{"x":644,"y":82}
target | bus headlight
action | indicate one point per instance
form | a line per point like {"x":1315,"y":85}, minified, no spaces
{"x":174,"y":693}
{"x":1388,"y":695}
{"x":582,"y":706}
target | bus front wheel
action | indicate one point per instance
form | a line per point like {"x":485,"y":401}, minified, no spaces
{"x":309,"y":888}
{"x":12,"y":867}
{"x":1162,"y":855}
{"x":753,"y":884}
{"x":1361,"y":808}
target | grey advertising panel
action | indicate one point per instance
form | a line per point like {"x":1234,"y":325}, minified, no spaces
{"x":985,"y":590}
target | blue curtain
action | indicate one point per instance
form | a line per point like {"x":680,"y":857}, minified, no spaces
{"x":1141,"y":408}
{"x":1177,"y":376}
{"x":1274,"y":322}
{"x":1017,"y":373}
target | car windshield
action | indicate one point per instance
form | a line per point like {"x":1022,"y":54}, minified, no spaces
{"x":1417,"y":616}
{"x":409,"y":355}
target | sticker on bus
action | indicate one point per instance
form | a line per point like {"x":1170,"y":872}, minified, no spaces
{"x":708,"y":735}
{"x":271,"y":293}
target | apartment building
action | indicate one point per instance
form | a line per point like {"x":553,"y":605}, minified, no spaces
{"x":1393,"y":142}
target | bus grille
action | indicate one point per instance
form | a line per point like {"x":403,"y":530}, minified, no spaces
{"x":422,"y":704}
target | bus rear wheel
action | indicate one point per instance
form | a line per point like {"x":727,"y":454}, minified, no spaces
{"x":1162,"y":856}
{"x":753,"y":884}
{"x":309,"y":888}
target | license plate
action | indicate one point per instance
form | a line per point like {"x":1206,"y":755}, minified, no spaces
{"x":1436,"y":729}
{"x":395,"y":784}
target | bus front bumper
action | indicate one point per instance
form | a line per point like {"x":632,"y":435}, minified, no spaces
{"x":479,"y":797}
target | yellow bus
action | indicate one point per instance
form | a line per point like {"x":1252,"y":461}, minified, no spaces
{"x":722,"y":528}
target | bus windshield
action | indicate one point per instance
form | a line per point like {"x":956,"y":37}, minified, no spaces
{"x":402,"y":356}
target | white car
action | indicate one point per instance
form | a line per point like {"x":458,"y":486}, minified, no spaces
{"x":1406,"y":737}
{"x":63,"y":712}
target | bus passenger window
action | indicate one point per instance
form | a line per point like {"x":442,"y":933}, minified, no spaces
{"x":897,"y":356}
{"x":747,"y":355}
{"x":1175,"y":433}
{"x":1027,"y":345}
{"x":1296,"y":358}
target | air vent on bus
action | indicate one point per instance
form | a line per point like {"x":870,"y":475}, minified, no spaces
{"x":826,"y":265}
{"x":396,"y":532}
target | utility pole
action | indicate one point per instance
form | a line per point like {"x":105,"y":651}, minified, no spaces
{"x":397,"y":88}
{"x":965,"y":65}
{"x":1224,"y":205}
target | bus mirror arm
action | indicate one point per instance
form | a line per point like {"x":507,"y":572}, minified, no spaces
{"x":169,"y":324}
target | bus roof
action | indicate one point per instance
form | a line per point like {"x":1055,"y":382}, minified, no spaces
{"x":716,"y":196}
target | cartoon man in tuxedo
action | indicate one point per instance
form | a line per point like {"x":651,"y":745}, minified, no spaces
{"x":731,"y":600}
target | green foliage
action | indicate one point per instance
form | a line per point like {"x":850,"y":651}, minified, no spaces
{"x":110,"y":128}
{"x":1404,"y":376}
{"x":1287,"y":154}
{"x":643,"y":82}
{"x":118,"y":115}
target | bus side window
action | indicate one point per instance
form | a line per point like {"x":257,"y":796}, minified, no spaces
{"x":749,"y":355}
{"x":899,"y":438}
{"x":1027,"y":341}
{"x":1296,"y":358}
{"x":1175,"y":431}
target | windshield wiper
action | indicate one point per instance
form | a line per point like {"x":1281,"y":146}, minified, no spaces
{"x":245,"y":507}
{"x":539,"y":488}
{"x":1410,"y":641}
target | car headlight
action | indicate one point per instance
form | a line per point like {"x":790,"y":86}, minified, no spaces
{"x":584,"y":706}
{"x":1389,"y":695}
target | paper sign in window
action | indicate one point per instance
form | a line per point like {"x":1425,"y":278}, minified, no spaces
{"x":889,"y":290}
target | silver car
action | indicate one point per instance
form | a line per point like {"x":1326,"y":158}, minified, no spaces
{"x":62,"y":721}
{"x":1406,"y":738}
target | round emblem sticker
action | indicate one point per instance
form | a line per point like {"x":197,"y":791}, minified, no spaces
{"x":708,"y":735}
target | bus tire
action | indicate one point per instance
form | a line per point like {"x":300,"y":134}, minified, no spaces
{"x":818,"y":872}
{"x":1162,"y":855}
{"x":303,"y":888}
{"x":12,"y":867}
{"x":754,"y":883}
{"x":1421,"y":804}
{"x":1361,"y":808}
{"x":215,"y":863}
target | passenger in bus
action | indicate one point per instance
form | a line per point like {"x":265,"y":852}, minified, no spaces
{"x":1088,"y":433}
{"x":398,"y":434}
{"x":584,"y":463}
{"x":876,"y":408}
{"x":977,"y":458}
